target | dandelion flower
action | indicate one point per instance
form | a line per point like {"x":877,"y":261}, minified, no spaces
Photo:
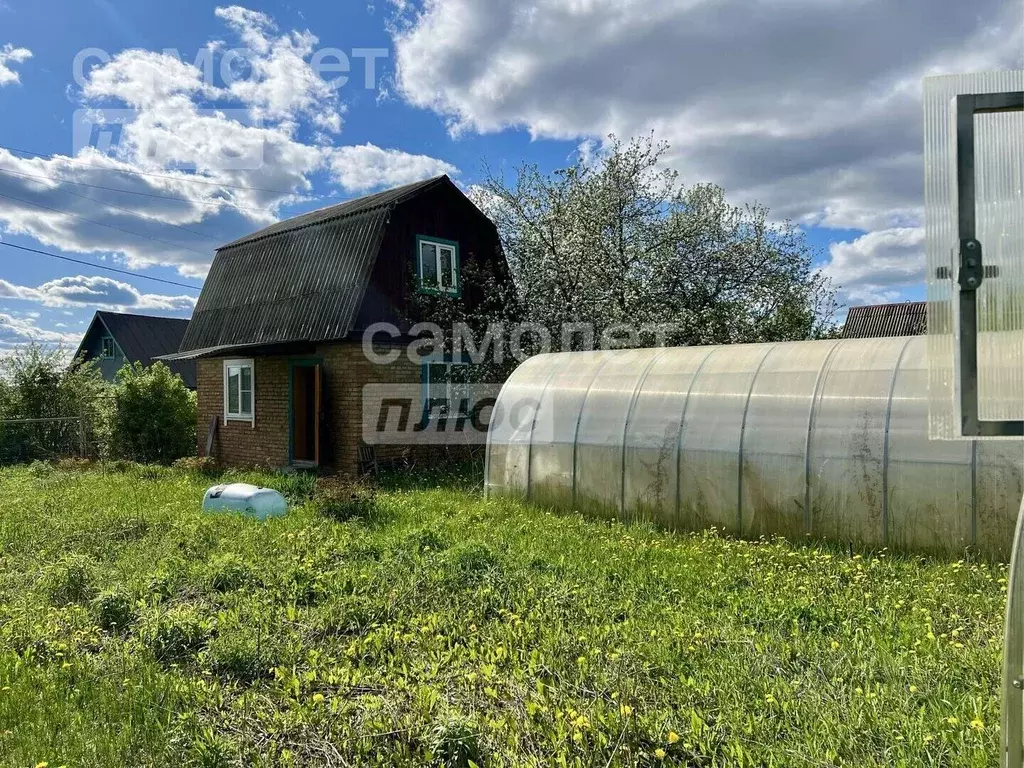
{"x":659,"y":753}
{"x":978,"y":724}
{"x":673,"y":737}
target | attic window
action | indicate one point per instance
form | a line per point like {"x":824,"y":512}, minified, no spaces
{"x":438,"y":265}
{"x":107,"y":347}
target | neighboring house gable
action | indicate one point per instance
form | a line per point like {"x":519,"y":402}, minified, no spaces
{"x":881,"y":320}
{"x":114,"y":338}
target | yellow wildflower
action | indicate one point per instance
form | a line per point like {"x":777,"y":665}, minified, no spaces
{"x":659,"y":753}
{"x":673,"y":737}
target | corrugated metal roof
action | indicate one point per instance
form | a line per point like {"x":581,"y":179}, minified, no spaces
{"x":244,"y":350}
{"x":882,"y":320}
{"x":387,"y":198}
{"x":144,"y":338}
{"x":298,"y":283}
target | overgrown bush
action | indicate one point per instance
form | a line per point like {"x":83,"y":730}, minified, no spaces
{"x":37,"y":383}
{"x":152,"y":416}
{"x":343,"y":499}
{"x":242,"y":653}
{"x":455,"y":743}
{"x":468,"y":563}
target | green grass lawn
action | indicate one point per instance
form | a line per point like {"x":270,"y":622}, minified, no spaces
{"x":445,"y":629}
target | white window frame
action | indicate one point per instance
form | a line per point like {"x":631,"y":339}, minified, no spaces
{"x":240,"y":363}
{"x":438,"y":247}
{"x":449,"y":385}
{"x":103,"y":348}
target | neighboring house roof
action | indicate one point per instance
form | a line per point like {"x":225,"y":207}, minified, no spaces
{"x":143,"y":338}
{"x":287,"y":284}
{"x":880,"y":320}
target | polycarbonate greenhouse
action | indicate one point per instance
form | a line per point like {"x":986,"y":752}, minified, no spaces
{"x":827,"y":439}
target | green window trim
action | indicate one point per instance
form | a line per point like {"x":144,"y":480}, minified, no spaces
{"x":454,"y":391}
{"x":436,"y":290}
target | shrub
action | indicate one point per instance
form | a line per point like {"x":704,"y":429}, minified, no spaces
{"x":37,"y":383}
{"x":177,"y":635}
{"x":71,"y":581}
{"x":344,"y":616}
{"x":153,"y":415}
{"x":342,"y":499}
{"x":74,"y":464}
{"x":427,"y":540}
{"x":114,"y":610}
{"x":167,"y":580}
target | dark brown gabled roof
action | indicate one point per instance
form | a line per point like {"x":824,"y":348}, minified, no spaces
{"x":298,"y":280}
{"x":907,"y":319}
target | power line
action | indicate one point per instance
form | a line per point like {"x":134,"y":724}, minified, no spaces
{"x":99,"y":266}
{"x":218,"y":202}
{"x":129,"y":211}
{"x":187,"y":178}
{"x":101,"y":224}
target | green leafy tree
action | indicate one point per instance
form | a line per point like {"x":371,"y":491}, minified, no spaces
{"x":616,"y":240}
{"x":152,"y":416}
{"x":39,"y":393}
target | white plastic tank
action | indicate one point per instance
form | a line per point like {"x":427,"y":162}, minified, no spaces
{"x":251,"y":500}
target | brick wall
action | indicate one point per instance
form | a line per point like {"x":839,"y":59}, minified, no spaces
{"x":346,"y":371}
{"x":241,"y":443}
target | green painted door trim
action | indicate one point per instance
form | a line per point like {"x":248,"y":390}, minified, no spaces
{"x":298,"y":362}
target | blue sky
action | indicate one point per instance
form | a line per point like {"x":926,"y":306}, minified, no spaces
{"x":810,"y":107}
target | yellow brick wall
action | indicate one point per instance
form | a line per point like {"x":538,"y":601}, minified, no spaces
{"x":240,"y":443}
{"x":346,"y":370}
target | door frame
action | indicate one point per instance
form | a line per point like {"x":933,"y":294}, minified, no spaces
{"x":305,"y":362}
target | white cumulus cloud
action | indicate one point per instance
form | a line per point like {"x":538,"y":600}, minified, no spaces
{"x":812,"y":107}
{"x":877,"y":266}
{"x":96,"y":292}
{"x":195,"y":164}
{"x":10,"y":55}
{"x":366,"y":167}
{"x":15,"y":331}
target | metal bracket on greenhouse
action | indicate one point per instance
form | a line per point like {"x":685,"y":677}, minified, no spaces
{"x":972,"y":270}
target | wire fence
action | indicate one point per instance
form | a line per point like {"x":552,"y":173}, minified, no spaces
{"x":45,"y":439}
